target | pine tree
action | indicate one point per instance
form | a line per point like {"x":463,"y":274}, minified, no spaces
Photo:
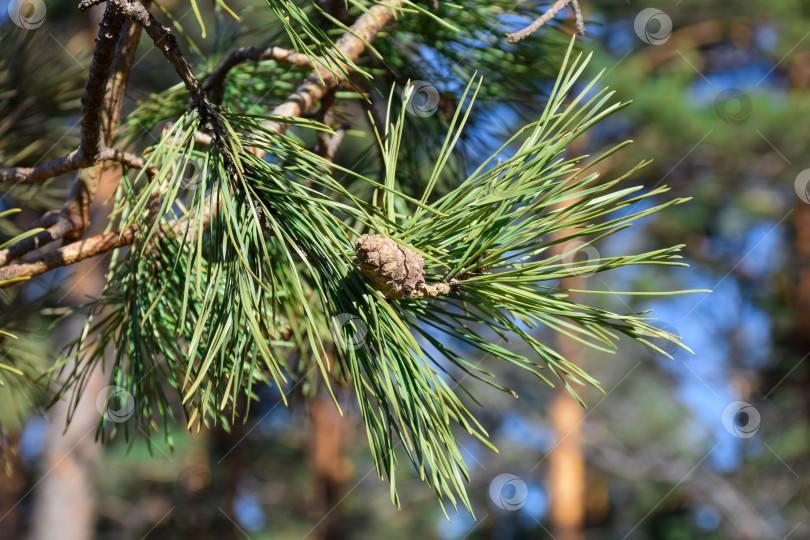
{"x":246,"y":249}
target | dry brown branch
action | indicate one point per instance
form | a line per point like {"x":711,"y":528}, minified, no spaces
{"x":40,"y":173}
{"x":85,"y":249}
{"x":71,"y":162}
{"x":72,"y":218}
{"x":77,"y":207}
{"x":540,"y":21}
{"x":56,"y":231}
{"x":578,"y":15}
{"x":66,"y":255}
{"x":351,"y":46}
{"x":215,"y":83}
{"x":328,"y":143}
{"x":93,"y":98}
{"x":166,"y":42}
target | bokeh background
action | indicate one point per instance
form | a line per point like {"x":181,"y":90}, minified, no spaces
{"x":713,"y":445}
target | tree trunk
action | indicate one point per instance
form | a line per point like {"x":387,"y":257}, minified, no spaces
{"x":566,"y":461}
{"x":65,"y":498}
{"x":12,"y":486}
{"x":330,"y":435}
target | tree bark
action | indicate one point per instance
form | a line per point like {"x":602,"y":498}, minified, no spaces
{"x":566,"y":473}
{"x":330,"y":436}
{"x":65,"y":506}
{"x":567,"y":464}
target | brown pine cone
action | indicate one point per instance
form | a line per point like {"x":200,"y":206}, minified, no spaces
{"x":394,"y":270}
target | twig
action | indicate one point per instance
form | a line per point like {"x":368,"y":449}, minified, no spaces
{"x":50,"y":169}
{"x":578,"y":16}
{"x":119,"y":76}
{"x":540,"y":21}
{"x":87,"y":4}
{"x":328,"y":143}
{"x":83,"y":249}
{"x":351,"y":46}
{"x":215,"y":83}
{"x":65,"y":164}
{"x":166,"y":42}
{"x":70,"y":254}
{"x":58,"y":230}
{"x":77,"y":207}
{"x":73,"y":216}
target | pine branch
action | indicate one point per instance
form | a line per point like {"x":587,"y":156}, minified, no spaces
{"x":215,"y":81}
{"x":167,"y":43}
{"x":72,"y":223}
{"x":219,"y":276}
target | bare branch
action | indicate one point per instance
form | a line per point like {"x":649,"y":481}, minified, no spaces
{"x":119,"y":76}
{"x":87,"y":4}
{"x":578,"y":15}
{"x":93,"y":97}
{"x":215,"y":82}
{"x":58,"y":230}
{"x":73,"y":218}
{"x":128,"y":159}
{"x":351,"y":45}
{"x":87,"y":248}
{"x":78,"y":204}
{"x":70,"y":254}
{"x":540,"y":21}
{"x":65,"y":164}
{"x":51,"y":169}
{"x":328,"y":143}
{"x":166,"y":42}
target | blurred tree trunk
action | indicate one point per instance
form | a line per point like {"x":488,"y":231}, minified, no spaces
{"x":64,"y":505}
{"x":226,"y":474}
{"x":566,"y":461}
{"x":11,"y":490}
{"x":64,"y":496}
{"x":331,"y":434}
{"x":802,"y":224}
{"x":799,"y":75}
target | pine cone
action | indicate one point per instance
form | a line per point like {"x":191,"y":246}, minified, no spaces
{"x":394,"y":270}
